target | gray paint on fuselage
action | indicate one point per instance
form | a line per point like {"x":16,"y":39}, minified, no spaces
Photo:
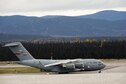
{"x":89,"y":65}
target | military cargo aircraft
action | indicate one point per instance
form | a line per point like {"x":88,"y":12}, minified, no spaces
{"x":58,"y":66}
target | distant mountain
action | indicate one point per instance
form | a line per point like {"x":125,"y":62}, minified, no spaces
{"x":60,"y":26}
{"x":10,"y":37}
{"x":107,"y":15}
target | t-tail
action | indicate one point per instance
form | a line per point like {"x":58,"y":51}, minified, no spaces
{"x":18,"y":49}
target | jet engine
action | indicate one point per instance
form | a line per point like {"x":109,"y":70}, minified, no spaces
{"x":69,"y":66}
{"x":79,"y":66}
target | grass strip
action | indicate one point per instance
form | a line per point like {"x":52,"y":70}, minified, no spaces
{"x":19,"y":70}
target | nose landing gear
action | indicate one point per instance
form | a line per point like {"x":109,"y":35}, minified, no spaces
{"x":99,"y":71}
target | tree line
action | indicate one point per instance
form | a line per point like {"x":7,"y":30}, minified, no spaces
{"x":70,"y":50}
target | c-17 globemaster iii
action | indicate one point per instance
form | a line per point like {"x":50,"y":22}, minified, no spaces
{"x":58,"y":66}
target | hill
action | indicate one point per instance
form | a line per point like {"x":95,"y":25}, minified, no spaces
{"x":107,"y":15}
{"x":66,"y":26}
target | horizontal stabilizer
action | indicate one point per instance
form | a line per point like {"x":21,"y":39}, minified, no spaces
{"x":11,"y":44}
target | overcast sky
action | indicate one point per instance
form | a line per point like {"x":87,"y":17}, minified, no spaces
{"x":58,"y":7}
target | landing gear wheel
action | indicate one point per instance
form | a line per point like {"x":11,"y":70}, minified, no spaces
{"x":63,"y":72}
{"x":41,"y":70}
{"x":99,"y":71}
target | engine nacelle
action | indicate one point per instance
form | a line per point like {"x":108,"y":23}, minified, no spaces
{"x":69,"y":66}
{"x":79,"y":66}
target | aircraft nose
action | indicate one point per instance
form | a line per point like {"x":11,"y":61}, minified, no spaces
{"x":103,"y":65}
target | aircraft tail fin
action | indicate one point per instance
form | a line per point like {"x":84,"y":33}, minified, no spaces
{"x":18,"y":49}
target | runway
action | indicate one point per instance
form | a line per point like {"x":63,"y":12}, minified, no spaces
{"x":104,"y":78}
{"x":12,"y":66}
{"x":114,"y":73}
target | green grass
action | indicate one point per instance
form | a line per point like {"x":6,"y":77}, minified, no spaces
{"x":19,"y":70}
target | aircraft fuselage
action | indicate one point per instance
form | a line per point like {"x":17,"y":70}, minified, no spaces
{"x":80,"y":65}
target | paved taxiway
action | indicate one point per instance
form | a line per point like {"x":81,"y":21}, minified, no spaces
{"x":115,"y":73}
{"x":11,"y":65}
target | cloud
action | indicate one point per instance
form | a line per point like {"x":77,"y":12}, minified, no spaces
{"x":14,"y":6}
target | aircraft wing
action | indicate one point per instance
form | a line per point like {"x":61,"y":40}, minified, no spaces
{"x":61,"y":62}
